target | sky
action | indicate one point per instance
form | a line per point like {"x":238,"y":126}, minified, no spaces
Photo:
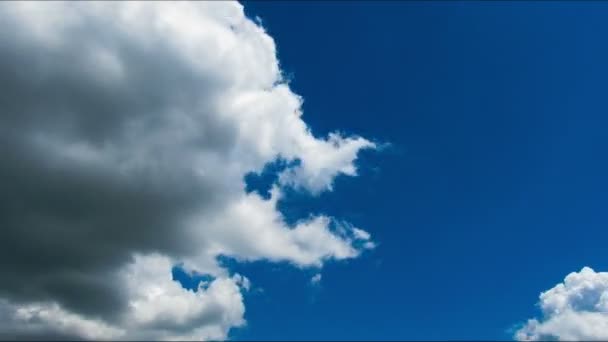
{"x":299,"y":170}
{"x":494,"y":186}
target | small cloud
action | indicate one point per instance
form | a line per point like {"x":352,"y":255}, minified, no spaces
{"x":369,"y":245}
{"x":361,"y":234}
{"x":316,"y":279}
{"x":576,"y":309}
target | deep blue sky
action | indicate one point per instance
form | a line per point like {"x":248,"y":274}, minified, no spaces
{"x":495,"y":185}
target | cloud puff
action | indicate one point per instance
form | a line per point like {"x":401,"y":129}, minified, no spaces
{"x":576,"y":309}
{"x":125,"y":134}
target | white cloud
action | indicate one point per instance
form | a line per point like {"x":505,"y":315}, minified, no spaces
{"x":322,"y":161}
{"x":266,"y":235}
{"x":576,"y":309}
{"x":33,"y":317}
{"x":127,"y":129}
{"x":158,"y":308}
{"x":316,"y":279}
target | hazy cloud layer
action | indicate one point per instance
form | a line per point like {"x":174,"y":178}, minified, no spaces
{"x":574,"y":310}
{"x":125,"y":134}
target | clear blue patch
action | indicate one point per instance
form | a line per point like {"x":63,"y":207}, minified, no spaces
{"x":262,"y":182}
{"x":190,"y":281}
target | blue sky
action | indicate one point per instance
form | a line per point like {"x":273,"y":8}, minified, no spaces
{"x":494,"y":186}
{"x":160,"y":181}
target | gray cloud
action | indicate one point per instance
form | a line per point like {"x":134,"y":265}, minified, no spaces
{"x":125,"y":133}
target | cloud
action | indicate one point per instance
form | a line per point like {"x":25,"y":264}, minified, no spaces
{"x":576,"y":309}
{"x":159,"y":308}
{"x":127,"y":129}
{"x":316,"y":279}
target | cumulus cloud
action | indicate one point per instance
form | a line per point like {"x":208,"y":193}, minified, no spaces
{"x":158,"y":308}
{"x":125,"y":134}
{"x":576,"y":309}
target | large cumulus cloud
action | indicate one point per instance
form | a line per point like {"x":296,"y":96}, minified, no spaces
{"x":574,"y":310}
{"x":125,"y":134}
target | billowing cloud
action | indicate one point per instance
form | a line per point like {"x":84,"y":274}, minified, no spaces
{"x":125,"y":134}
{"x":576,"y":309}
